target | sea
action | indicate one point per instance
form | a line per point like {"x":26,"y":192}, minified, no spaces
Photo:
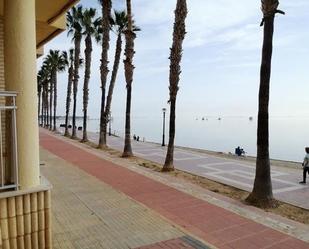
{"x":288,"y":136}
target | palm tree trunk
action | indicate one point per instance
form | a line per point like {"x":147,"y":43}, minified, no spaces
{"x":44,"y":105}
{"x":128,"y":68}
{"x":106,"y":13}
{"x":262,"y":194}
{"x":68,"y":100}
{"x":42,"y":108}
{"x":77,"y":42}
{"x":50,"y":103}
{"x":175,"y":58}
{"x":169,"y":160}
{"x":47,"y":107}
{"x":112,"y":84}
{"x":55,"y":100}
{"x":39,"y":105}
{"x":127,"y":151}
{"x":88,"y":51}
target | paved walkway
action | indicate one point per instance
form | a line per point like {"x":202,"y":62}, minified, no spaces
{"x":218,"y":226}
{"x":90,"y":214}
{"x":233,"y":172}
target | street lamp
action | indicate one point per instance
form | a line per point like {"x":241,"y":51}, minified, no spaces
{"x":163,"y":135}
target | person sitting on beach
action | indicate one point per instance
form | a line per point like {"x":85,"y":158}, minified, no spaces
{"x":305,"y":165}
{"x":238,"y":151}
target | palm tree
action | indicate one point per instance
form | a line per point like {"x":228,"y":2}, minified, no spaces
{"x":46,"y":86}
{"x":119,"y":24}
{"x":46,"y":92}
{"x":75,"y":29}
{"x":40,"y":89}
{"x":44,"y":104}
{"x":175,"y":58}
{"x":57,"y":64}
{"x":69,"y":61}
{"x":90,"y":27}
{"x":42,"y":77}
{"x":46,"y":115}
{"x":49,"y":86}
{"x":106,"y":13}
{"x":262,"y":194}
{"x":128,"y":68}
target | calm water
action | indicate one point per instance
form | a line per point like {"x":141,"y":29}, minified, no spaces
{"x":288,"y":136}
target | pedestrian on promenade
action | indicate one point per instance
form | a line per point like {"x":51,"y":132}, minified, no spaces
{"x":305,"y":165}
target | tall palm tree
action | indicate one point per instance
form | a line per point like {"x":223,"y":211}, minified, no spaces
{"x":46,"y":114}
{"x":47,"y":66}
{"x":44,"y":104}
{"x":42,"y":77}
{"x":75,"y":29}
{"x":40,"y":90}
{"x":57,"y":64}
{"x":46,"y":71}
{"x":262,"y":194}
{"x":119,"y":24}
{"x":175,"y":58}
{"x":128,"y":68}
{"x":69,"y":60}
{"x":90,"y":25}
{"x":106,"y":14}
{"x":46,"y":85}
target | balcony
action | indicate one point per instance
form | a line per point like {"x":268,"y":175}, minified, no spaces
{"x":8,"y":142}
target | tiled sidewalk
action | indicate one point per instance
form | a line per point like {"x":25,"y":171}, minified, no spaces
{"x":216,"y":225}
{"x":87,"y":213}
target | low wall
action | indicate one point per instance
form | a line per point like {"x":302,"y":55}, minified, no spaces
{"x":25,"y":219}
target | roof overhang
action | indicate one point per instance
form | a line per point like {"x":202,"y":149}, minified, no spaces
{"x":50,"y":18}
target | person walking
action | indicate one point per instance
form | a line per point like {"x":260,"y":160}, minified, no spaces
{"x":305,"y":165}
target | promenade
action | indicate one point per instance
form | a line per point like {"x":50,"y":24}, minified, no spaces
{"x":101,"y":201}
{"x":233,"y":172}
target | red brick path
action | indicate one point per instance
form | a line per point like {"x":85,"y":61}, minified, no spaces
{"x":216,"y":225}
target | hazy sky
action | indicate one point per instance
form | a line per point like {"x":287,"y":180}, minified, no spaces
{"x":221,"y":60}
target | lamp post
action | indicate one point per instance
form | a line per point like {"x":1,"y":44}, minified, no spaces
{"x":163,"y":135}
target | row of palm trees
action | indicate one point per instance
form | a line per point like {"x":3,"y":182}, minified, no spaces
{"x":81,"y":23}
{"x":47,"y":87}
{"x":84,"y":23}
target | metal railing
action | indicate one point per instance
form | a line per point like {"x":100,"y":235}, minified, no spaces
{"x":8,"y":141}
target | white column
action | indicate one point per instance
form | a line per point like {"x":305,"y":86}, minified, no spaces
{"x":20,"y":76}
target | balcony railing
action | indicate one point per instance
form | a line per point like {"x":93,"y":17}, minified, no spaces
{"x":8,"y":142}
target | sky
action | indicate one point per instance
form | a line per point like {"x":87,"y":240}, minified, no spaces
{"x":220,"y":65}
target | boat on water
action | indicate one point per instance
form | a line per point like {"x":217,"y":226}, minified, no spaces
{"x":250,"y":118}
